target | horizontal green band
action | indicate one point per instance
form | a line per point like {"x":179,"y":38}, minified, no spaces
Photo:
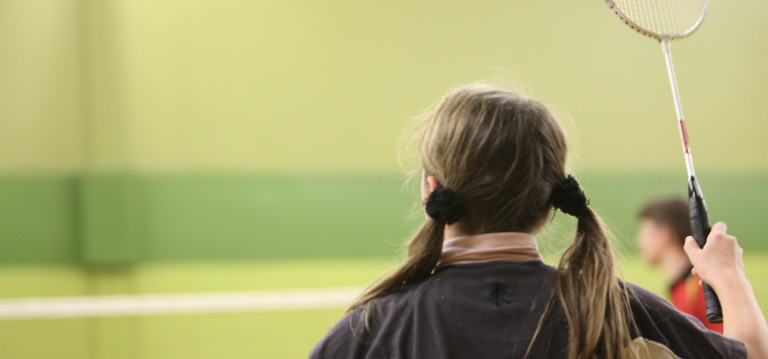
{"x":120,"y":219}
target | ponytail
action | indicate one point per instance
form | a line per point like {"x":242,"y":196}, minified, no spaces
{"x":423,"y":253}
{"x":594,"y":303}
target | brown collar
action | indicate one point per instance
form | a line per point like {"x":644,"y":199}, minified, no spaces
{"x":507,"y":246}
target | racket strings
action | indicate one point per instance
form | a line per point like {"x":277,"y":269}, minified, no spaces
{"x":663,"y":17}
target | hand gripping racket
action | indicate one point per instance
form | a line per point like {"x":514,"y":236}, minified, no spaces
{"x":667,"y":20}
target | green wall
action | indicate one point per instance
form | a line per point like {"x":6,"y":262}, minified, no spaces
{"x":123,"y":220}
{"x":135,"y":130}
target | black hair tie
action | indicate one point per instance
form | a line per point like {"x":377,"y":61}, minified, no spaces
{"x":568,"y":197}
{"x":444,"y":206}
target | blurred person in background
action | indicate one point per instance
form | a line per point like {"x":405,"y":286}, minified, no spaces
{"x":664,"y":225}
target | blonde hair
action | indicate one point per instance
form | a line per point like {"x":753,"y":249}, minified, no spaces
{"x":503,"y":154}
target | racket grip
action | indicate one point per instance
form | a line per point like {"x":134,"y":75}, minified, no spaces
{"x":714,"y":312}
{"x":700,"y":229}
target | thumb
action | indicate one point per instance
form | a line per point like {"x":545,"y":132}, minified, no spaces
{"x":691,"y":248}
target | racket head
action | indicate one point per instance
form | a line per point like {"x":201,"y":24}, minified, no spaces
{"x":661,"y":19}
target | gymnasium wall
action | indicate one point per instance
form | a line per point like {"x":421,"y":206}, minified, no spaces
{"x":140,"y":130}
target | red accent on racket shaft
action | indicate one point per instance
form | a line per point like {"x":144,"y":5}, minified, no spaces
{"x":684,"y":133}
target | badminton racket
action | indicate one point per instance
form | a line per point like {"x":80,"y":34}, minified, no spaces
{"x":667,"y":20}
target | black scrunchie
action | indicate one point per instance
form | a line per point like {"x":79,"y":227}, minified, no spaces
{"x":569,"y":198}
{"x":444,"y":206}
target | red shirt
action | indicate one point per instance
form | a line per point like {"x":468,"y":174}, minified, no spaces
{"x":688,"y":297}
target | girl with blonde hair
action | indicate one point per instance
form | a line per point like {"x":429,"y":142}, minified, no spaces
{"x":474,"y":286}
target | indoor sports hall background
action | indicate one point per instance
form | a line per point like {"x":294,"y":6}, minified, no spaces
{"x":230,"y":147}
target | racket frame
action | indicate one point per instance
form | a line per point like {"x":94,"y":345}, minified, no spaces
{"x":661,"y":37}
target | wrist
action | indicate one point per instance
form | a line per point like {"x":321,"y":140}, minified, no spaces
{"x":730,"y":285}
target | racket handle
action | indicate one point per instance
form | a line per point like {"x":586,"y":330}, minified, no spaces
{"x":714,"y":312}
{"x":700,"y":229}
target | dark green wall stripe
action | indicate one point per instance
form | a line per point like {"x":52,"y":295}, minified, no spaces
{"x":38,"y":219}
{"x":212,"y":217}
{"x":119,"y":219}
{"x":114,"y":219}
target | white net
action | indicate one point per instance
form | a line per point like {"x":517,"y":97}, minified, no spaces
{"x":664,"y":17}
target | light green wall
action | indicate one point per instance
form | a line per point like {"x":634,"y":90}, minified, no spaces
{"x":40,"y":86}
{"x":299,"y":86}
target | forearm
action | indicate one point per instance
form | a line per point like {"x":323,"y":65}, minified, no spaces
{"x":743,"y":319}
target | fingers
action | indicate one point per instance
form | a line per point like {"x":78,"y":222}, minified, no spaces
{"x":691,"y":248}
{"x":719,"y":227}
{"x":719,"y":260}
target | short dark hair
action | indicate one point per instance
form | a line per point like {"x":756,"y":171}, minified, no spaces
{"x":672,"y":212}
